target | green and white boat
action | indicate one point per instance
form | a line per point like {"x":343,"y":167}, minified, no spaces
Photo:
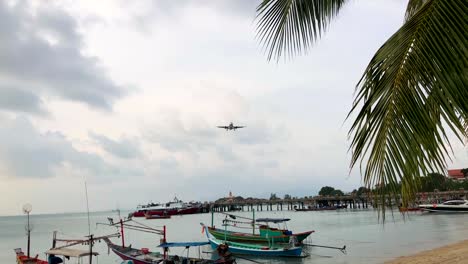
{"x":266,"y":234}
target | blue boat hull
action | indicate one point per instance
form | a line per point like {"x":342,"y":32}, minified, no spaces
{"x":295,"y":252}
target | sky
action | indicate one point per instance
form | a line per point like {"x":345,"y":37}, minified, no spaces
{"x":126,"y":96}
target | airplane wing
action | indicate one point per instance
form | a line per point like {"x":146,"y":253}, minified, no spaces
{"x":225,"y":127}
{"x":236,"y":127}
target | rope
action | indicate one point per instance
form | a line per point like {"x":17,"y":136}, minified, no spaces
{"x":236,"y":216}
{"x":237,"y":222}
{"x":241,"y":227}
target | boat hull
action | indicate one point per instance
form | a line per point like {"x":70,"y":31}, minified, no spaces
{"x":316,"y":209}
{"x":137,"y":256}
{"x":452,"y":206}
{"x":163,"y":212}
{"x":255,"y":249}
{"x":444,"y":209}
{"x":157,"y":216}
{"x":266,"y":251}
{"x":249,"y":238}
{"x":126,"y":257}
{"x":25,"y":259}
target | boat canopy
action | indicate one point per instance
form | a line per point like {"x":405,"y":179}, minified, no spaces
{"x":272,"y":220}
{"x":70,"y":252}
{"x":184,"y":244}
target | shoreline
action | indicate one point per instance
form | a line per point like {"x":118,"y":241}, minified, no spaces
{"x":455,"y":253}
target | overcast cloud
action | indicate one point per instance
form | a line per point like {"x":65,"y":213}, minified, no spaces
{"x":42,"y":56}
{"x":192,"y":65}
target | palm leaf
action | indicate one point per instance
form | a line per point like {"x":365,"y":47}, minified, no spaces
{"x":413,"y":7}
{"x":292,"y":26}
{"x":414,"y":88}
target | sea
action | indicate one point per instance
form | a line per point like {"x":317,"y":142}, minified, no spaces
{"x":366,"y":238}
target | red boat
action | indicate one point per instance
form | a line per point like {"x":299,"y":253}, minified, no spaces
{"x":409,"y":209}
{"x":176,"y":207}
{"x":21,"y":258}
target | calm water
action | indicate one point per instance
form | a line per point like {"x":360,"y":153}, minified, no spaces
{"x":367,"y":240}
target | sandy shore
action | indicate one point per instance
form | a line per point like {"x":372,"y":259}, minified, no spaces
{"x":453,"y":254}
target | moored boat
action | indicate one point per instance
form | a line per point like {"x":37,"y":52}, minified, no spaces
{"x":452,"y":206}
{"x":325,"y":208}
{"x":21,"y":258}
{"x":175,"y":207}
{"x":271,"y":250}
{"x":409,"y":209}
{"x":145,"y":256}
{"x":266,"y":233}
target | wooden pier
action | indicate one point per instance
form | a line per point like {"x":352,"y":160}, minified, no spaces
{"x":351,"y":202}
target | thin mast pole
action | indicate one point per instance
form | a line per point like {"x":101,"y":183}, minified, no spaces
{"x":29,"y":236}
{"x":87,"y":208}
{"x":253,"y":221}
{"x":225,"y":230}
{"x":122,"y":231}
{"x":54,"y":239}
{"x":212,"y":218}
{"x":164,"y":241}
{"x":90,"y":249}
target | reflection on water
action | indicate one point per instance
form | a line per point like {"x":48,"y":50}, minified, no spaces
{"x":367,"y":240}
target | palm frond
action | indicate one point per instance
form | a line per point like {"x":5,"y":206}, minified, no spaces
{"x":415,"y":87}
{"x":413,"y":7}
{"x":292,"y":26}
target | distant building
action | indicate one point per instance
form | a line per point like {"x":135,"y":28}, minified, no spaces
{"x":456,"y":174}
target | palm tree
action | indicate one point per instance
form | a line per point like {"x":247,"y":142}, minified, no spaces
{"x":412,"y":93}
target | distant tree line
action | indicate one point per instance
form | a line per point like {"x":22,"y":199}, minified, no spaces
{"x":428,"y":183}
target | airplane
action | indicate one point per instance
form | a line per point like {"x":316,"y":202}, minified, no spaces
{"x":231,"y":127}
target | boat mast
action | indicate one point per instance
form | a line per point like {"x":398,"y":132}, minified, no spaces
{"x":27,"y":209}
{"x":164,"y":241}
{"x":91,"y":242}
{"x":54,"y":239}
{"x":212,"y":218}
{"x":122,"y":232}
{"x":253,"y":221}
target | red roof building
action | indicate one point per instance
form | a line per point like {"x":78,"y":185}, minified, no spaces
{"x":456,"y":174}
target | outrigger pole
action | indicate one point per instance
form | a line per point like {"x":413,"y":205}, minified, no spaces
{"x":343,"y":249}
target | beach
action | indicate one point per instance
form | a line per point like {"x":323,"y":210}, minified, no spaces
{"x":454,"y":254}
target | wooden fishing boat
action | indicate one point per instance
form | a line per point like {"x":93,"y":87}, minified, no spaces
{"x":145,"y":256}
{"x":266,"y":234}
{"x":57,"y":254}
{"x":54,"y":256}
{"x":271,"y":250}
{"x":21,"y":258}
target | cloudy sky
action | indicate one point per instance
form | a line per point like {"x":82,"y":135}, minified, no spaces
{"x":126,"y":95}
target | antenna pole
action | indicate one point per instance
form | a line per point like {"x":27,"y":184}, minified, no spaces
{"x":87,"y":208}
{"x":29,"y":236}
